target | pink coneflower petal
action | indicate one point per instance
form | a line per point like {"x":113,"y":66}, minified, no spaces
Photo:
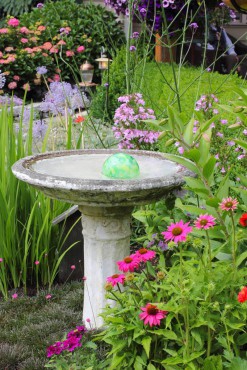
{"x":115,"y":279}
{"x":177,"y":232}
{"x":228,"y":204}
{"x":129,"y":263}
{"x":151,"y":315}
{"x":204,"y":222}
{"x":145,"y":254}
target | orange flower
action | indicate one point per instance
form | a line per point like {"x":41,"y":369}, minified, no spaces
{"x":242,"y":295}
{"x":79,"y":119}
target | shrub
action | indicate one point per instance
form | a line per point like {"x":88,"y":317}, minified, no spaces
{"x":51,"y":36}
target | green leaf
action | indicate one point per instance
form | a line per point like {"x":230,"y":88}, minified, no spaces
{"x":116,"y":361}
{"x":213,"y":363}
{"x":223,"y":189}
{"x":193,"y":154}
{"x":183,"y":161}
{"x":208,"y":169}
{"x":241,"y":143}
{"x":173,"y":361}
{"x":213,"y":202}
{"x":188,"y":132}
{"x":241,"y":258}
{"x":151,"y":367}
{"x":238,"y":364}
{"x":165,"y":333}
{"x":146,"y":342}
{"x":242,"y":339}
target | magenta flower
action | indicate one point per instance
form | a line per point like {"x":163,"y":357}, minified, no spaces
{"x":129,"y":263}
{"x":145,"y":255}
{"x":48,"y":296}
{"x":177,"y":232}
{"x":204,"y":222}
{"x":15,"y":296}
{"x":36,"y":263}
{"x":1,"y":259}
{"x":115,"y":279}
{"x":151,"y":315}
{"x":228,"y":204}
{"x":72,"y":267}
{"x":54,"y":349}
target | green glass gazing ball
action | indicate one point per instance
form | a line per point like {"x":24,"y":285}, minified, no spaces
{"x":121,"y":166}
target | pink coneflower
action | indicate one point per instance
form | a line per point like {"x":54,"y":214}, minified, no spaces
{"x":204,"y":222}
{"x":36,"y":263}
{"x":145,"y":255}
{"x":72,"y":267}
{"x":15,"y":296}
{"x":88,"y":320}
{"x":228,"y":204}
{"x":115,"y":279}
{"x":152,"y":315}
{"x":48,"y":296}
{"x":242,"y":295}
{"x":1,"y":260}
{"x":177,"y":232}
{"x":129,"y":263}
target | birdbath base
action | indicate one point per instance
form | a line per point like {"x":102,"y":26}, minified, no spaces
{"x":106,"y":232}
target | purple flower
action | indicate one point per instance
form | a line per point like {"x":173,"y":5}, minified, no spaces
{"x":231,"y":143}
{"x":193,"y":26}
{"x":224,"y":121}
{"x":41,"y":70}
{"x":2,"y":80}
{"x":40,"y":5}
{"x":135,"y":35}
{"x":39,"y":129}
{"x":132,"y":48}
{"x":106,"y":84}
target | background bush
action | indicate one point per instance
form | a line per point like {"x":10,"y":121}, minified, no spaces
{"x":89,"y":25}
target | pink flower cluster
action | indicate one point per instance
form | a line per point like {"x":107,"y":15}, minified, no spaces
{"x":127,"y":121}
{"x":72,"y":341}
{"x":205,"y":103}
{"x":132,"y":262}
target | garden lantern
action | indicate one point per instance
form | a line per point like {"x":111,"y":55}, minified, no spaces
{"x":86,"y":71}
{"x":103,"y":60}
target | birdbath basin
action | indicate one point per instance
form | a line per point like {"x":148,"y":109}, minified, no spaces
{"x":106,"y":205}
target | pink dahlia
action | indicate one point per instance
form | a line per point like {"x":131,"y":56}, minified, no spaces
{"x":152,"y":315}
{"x":145,"y":255}
{"x":228,"y":204}
{"x":177,"y":232}
{"x":69,"y":53}
{"x":115,"y":279}
{"x":204,"y":222}
{"x":129,"y":263}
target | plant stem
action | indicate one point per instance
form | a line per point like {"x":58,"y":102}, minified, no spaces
{"x":209,"y":251}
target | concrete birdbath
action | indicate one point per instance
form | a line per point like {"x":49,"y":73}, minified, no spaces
{"x":106,"y":205}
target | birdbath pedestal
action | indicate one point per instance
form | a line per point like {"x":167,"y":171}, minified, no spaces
{"x":106,"y":205}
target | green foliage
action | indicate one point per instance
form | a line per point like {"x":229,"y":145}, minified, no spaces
{"x":89,"y":25}
{"x":31,"y":324}
{"x":26,"y":231}
{"x":204,"y":317}
{"x":158,"y":86}
{"x":14,"y":8}
{"x":105,"y":101}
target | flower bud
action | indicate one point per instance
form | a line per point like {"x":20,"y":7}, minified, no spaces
{"x":129,"y":277}
{"x":108,"y":287}
{"x":161,"y":275}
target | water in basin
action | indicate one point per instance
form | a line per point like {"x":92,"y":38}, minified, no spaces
{"x":89,"y":166}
